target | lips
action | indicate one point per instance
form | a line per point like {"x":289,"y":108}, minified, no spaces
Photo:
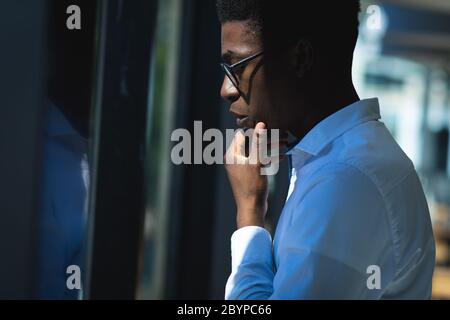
{"x":243,"y":121}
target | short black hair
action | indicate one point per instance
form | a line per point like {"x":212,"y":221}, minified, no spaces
{"x":236,"y":10}
{"x":331,"y":26}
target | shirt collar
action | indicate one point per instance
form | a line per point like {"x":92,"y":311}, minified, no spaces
{"x":336,"y":124}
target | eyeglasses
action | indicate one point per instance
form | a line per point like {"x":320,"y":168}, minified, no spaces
{"x":235,"y":70}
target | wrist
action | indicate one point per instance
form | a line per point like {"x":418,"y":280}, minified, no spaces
{"x":251,"y":216}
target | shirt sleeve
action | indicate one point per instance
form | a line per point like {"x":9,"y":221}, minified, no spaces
{"x":252,"y":266}
{"x":324,"y":251}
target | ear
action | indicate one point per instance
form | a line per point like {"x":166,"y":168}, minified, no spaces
{"x":302,"y":57}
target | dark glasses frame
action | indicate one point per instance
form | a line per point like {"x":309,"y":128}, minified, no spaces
{"x":229,"y":69}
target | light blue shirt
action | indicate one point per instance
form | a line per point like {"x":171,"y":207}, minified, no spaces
{"x":355,"y":224}
{"x":62,"y":218}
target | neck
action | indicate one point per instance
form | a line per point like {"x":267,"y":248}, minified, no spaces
{"x":323,"y":102}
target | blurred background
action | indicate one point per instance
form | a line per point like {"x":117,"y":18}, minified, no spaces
{"x":86,"y":118}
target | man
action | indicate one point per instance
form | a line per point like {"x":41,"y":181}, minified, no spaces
{"x":355,"y":224}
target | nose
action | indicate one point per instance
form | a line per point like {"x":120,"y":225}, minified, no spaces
{"x":228,"y":91}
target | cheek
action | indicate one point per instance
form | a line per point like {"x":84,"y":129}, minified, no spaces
{"x":259,"y":100}
{"x":264,"y":104}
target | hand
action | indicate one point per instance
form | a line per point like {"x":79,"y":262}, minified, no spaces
{"x":249,"y":185}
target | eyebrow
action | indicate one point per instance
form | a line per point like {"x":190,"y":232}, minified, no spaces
{"x":230,"y":55}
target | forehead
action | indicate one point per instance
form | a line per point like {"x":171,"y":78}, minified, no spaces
{"x":238,"y":37}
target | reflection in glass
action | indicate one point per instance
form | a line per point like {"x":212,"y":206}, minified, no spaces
{"x":161,"y":116}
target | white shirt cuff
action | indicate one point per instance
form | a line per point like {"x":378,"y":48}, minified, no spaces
{"x":250,"y":244}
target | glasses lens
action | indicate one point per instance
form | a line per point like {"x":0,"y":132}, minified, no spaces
{"x":230,"y":75}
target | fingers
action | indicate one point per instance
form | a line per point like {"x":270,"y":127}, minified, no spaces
{"x":236,"y":151}
{"x":265,"y":152}
{"x":239,"y":143}
{"x":258,"y":143}
{"x":274,"y":159}
{"x":262,"y":152}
